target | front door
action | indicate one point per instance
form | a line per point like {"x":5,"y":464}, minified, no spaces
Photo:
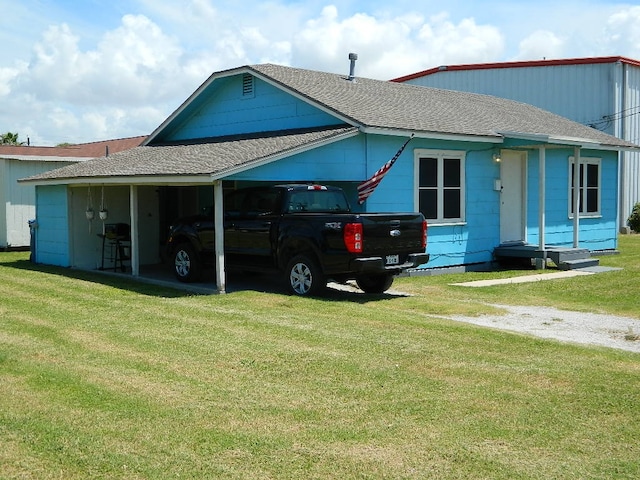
{"x":512,"y":197}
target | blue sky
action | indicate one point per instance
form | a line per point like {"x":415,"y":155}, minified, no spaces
{"x":85,"y":70}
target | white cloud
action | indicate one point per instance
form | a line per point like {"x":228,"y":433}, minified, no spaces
{"x":392,"y":46}
{"x":622,"y":32}
{"x":541,"y":44}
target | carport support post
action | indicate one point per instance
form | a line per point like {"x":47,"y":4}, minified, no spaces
{"x":541,"y":263}
{"x":576,"y":197}
{"x":133,"y":206}
{"x":218,"y":222}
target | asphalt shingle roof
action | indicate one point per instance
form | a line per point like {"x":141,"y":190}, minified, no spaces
{"x":362,"y":104}
{"x":391,"y":105}
{"x":207,"y":158}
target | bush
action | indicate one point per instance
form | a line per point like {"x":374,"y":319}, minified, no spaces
{"x":634,"y":218}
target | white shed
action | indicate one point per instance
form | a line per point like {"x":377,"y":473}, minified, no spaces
{"x":602,"y":92}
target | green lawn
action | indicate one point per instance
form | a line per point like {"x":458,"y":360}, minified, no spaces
{"x":106,"y":378}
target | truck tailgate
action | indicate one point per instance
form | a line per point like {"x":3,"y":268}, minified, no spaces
{"x":391,"y":233}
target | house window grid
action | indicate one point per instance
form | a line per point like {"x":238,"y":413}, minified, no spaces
{"x":443,"y":189}
{"x":590,"y":192}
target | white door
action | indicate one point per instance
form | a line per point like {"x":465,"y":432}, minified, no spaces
{"x":512,"y":197}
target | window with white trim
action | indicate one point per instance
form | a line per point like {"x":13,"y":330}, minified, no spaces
{"x":590,"y":187}
{"x":440,"y":189}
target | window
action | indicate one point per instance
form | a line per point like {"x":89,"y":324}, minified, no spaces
{"x":589,"y":188}
{"x":440,"y":190}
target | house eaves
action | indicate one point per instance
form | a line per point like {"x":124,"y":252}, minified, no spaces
{"x":563,"y":141}
{"x":42,"y":158}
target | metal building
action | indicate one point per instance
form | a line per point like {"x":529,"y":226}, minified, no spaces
{"x":602,"y":92}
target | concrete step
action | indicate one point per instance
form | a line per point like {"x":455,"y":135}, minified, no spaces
{"x":561,"y":255}
{"x":578,"y":263}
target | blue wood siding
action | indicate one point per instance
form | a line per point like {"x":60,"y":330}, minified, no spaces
{"x":225,"y":111}
{"x":52,"y":214}
{"x":339,"y":161}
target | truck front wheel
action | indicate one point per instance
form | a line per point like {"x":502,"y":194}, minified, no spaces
{"x":374,"y":283}
{"x":304,"y":276}
{"x":186,"y":263}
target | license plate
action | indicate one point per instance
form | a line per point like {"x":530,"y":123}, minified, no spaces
{"x":392,"y":259}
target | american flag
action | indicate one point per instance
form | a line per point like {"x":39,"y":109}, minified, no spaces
{"x":367,"y":187}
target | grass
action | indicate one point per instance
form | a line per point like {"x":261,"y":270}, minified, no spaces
{"x":106,"y":378}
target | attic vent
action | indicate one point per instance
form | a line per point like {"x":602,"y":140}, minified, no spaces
{"x":247,"y":85}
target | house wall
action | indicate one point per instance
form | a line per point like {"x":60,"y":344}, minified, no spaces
{"x":606,"y":96}
{"x":227,"y":111}
{"x":18,"y":200}
{"x":628,"y":127}
{"x":3,"y":203}
{"x":52,"y":235}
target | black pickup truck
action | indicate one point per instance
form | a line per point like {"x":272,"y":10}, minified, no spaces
{"x":306,"y":232}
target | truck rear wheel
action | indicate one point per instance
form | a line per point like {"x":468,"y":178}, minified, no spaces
{"x":186,"y":263}
{"x":304,"y":277}
{"x":374,"y":283}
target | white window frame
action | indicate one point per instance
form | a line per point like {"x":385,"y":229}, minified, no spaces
{"x":584,"y":187}
{"x":440,"y":156}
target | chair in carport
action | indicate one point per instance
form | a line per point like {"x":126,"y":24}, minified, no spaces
{"x":116,"y":246}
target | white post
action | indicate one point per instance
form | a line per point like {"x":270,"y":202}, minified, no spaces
{"x":542,"y":204}
{"x":218,"y":226}
{"x":576,"y":198}
{"x":135,"y":257}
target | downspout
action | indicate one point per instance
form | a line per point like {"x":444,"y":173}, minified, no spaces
{"x":218,"y":222}
{"x":576,"y":197}
{"x":542,"y":204}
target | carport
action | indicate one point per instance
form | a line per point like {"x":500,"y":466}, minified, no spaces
{"x":128,"y":186}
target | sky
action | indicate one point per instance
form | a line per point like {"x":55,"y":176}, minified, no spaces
{"x":75,"y":71}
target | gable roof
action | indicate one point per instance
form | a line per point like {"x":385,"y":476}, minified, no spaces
{"x":364,"y":105}
{"x":521,"y":64}
{"x":77,"y":152}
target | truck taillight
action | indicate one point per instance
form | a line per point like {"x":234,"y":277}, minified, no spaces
{"x":353,"y":237}
{"x":424,"y":234}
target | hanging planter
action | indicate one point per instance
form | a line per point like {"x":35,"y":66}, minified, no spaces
{"x":89,"y":213}
{"x":104,"y":213}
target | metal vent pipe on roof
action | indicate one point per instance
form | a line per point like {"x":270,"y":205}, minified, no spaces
{"x":352,"y":68}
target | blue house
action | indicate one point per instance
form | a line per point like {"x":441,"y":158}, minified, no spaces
{"x":485,"y":171}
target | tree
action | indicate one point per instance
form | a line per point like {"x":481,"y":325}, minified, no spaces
{"x":10,"y":139}
{"x":634,"y":218}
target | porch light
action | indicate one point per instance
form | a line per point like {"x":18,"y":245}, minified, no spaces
{"x":497,"y":158}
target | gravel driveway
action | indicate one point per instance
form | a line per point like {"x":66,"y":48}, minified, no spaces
{"x":578,"y":327}
{"x":547,"y":322}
